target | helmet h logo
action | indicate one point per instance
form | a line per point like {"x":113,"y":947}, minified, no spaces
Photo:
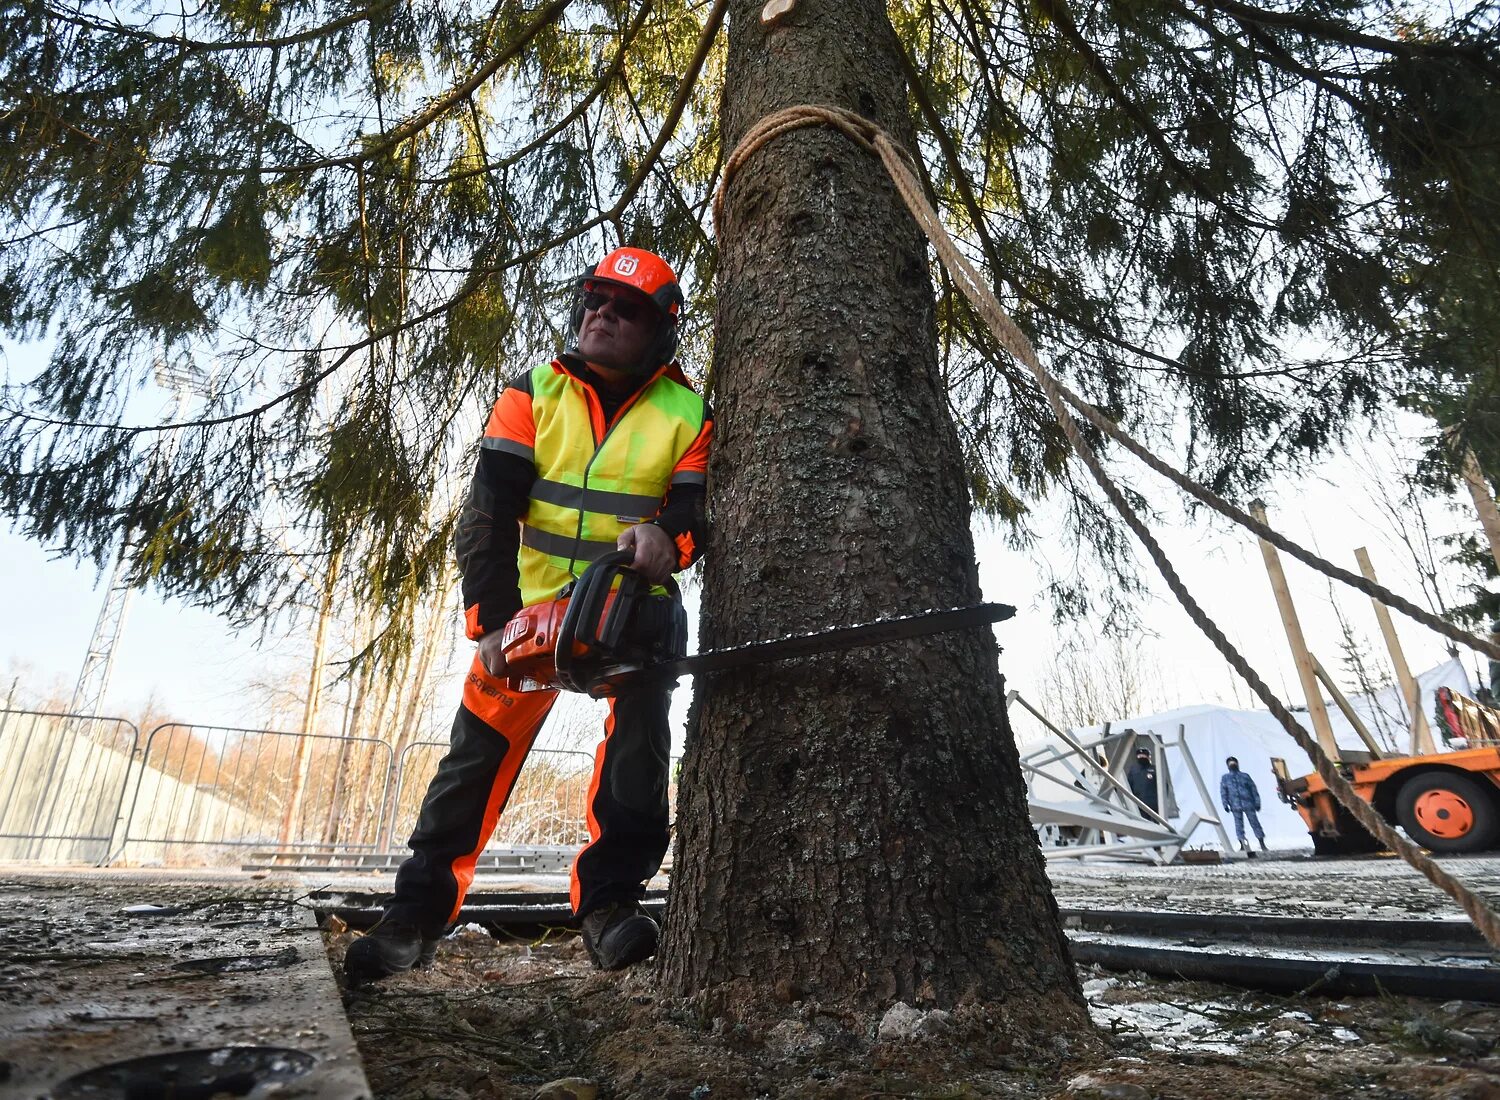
{"x":625,"y":265}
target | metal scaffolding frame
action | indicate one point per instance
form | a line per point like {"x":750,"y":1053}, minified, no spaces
{"x":1103,"y":817}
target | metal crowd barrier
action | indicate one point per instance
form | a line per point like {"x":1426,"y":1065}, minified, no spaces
{"x":63,"y":778}
{"x":203,"y":789}
{"x":548,"y":804}
{"x":80,"y":788}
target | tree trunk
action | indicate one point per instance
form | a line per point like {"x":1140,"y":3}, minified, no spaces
{"x":359,"y":824}
{"x":291,"y":823}
{"x":851,"y":829}
{"x":435,"y":629}
{"x":390,"y":731}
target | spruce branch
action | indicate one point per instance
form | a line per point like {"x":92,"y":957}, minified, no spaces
{"x":1328,"y":30}
{"x":76,"y":18}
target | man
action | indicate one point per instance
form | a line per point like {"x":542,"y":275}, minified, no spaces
{"x":1141,"y":777}
{"x":1240,"y":797}
{"x":605,"y":447}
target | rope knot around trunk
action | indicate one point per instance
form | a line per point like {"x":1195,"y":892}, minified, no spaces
{"x":860,"y":130}
{"x":905,"y":175}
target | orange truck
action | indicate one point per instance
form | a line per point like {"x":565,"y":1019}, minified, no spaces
{"x":1446,"y":802}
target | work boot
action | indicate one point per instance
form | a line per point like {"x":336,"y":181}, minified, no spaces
{"x":1263,"y":847}
{"x":619,"y":935}
{"x":391,"y":947}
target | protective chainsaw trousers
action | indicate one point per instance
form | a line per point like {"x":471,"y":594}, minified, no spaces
{"x":494,"y":731}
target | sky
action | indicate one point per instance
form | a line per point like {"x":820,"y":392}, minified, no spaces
{"x":187,"y":662}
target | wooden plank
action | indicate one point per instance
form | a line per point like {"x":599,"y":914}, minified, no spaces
{"x":1316,"y":711}
{"x":123,"y":984}
{"x":1421,"y":733}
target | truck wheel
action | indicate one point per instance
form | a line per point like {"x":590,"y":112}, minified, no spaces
{"x":1351,"y":841}
{"x":1447,"y":812}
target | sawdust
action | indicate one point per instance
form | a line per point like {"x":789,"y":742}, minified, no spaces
{"x":499,"y":1020}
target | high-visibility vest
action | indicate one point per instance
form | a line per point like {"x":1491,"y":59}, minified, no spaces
{"x":593,"y":480}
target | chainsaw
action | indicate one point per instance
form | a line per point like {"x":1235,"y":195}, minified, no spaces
{"x":598,"y":636}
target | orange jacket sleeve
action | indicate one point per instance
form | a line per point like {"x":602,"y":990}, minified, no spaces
{"x":684,"y":514}
{"x":489,"y":536}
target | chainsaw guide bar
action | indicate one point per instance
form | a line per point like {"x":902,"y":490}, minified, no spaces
{"x":611,"y":629}
{"x":879,"y":632}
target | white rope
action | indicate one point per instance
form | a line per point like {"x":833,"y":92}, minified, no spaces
{"x":902,"y":169}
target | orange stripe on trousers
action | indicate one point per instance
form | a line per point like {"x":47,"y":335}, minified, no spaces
{"x":516,"y":716}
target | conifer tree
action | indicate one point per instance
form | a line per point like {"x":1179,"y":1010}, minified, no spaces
{"x":1234,"y":225}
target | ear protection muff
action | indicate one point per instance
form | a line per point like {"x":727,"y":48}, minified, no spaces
{"x":664,"y":348}
{"x":575,"y":318}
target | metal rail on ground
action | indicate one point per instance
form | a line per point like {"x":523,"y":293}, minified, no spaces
{"x":1438,"y":959}
{"x":514,"y":859}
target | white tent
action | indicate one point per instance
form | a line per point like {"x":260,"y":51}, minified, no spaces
{"x":1254,"y":737}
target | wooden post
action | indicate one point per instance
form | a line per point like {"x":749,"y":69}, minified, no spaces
{"x":1484,"y":501}
{"x":1421,"y":734}
{"x":1341,"y":701}
{"x":1316,"y":711}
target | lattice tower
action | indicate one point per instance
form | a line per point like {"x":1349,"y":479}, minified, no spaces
{"x":93,"y":678}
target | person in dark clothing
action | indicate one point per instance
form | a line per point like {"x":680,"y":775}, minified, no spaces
{"x":1141,"y":778}
{"x":1240,"y":797}
{"x":605,"y":447}
{"x":1494,"y":667}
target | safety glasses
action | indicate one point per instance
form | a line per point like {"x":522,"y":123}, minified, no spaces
{"x":625,"y":308}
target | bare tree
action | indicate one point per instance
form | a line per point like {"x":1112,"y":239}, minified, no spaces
{"x":1100,"y":679}
{"x":1371,"y":674}
{"x":1404,"y":510}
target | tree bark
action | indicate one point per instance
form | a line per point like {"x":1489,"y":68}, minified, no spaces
{"x":851,"y":829}
{"x":360,"y":824}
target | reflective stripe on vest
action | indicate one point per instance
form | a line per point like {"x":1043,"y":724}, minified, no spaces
{"x":588,"y":490}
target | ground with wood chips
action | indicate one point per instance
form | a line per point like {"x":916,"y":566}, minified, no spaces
{"x":498,"y":1020}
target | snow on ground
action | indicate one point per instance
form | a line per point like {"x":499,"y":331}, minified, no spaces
{"x":1380,"y":886}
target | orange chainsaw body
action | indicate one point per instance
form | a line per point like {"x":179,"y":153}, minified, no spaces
{"x":530,"y":644}
{"x":601,"y":631}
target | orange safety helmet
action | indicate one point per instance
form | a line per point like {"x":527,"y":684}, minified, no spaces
{"x":652,"y":276}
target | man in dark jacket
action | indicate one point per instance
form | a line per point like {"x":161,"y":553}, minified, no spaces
{"x":1238,"y":793}
{"x":1141,"y":777}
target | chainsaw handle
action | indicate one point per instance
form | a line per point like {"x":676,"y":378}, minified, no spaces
{"x":585,"y":605}
{"x":585,"y":610}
